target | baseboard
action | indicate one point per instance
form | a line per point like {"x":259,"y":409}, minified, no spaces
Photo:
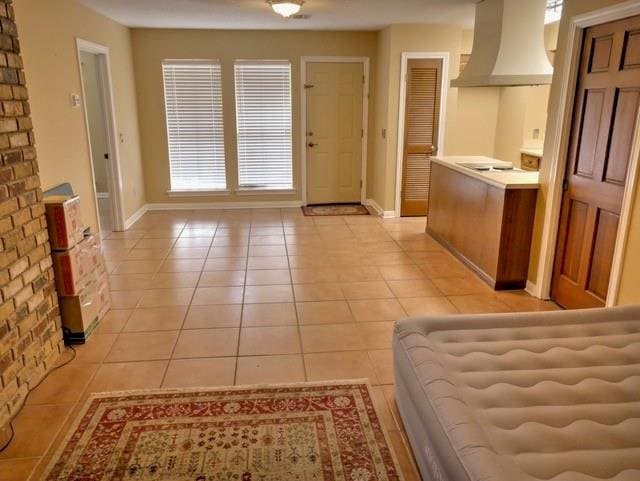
{"x":136,"y":216}
{"x":285,"y":204}
{"x":102,"y":195}
{"x":380,"y":212}
{"x":532,"y":289}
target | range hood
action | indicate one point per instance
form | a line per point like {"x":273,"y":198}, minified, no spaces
{"x":508,"y":45}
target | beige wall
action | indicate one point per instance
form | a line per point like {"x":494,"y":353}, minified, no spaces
{"x":95,"y":118}
{"x":152,"y":46}
{"x":630,"y":286}
{"x":48,"y":35}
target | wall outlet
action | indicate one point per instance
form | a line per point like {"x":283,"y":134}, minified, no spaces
{"x":536,"y":134}
{"x":75,"y":101}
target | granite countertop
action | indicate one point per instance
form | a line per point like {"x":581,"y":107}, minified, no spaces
{"x":518,"y":179}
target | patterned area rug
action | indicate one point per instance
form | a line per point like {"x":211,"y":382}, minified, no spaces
{"x":335,"y":209}
{"x":302,"y":432}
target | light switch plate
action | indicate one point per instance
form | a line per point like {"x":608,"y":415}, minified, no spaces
{"x":75,"y":101}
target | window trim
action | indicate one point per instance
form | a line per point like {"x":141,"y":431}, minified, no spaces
{"x":274,"y":190}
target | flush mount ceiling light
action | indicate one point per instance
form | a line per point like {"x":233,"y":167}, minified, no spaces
{"x":286,"y":8}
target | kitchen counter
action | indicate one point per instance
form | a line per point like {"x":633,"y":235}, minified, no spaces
{"x":533,"y":152}
{"x":503,"y":180}
{"x":484,"y":218}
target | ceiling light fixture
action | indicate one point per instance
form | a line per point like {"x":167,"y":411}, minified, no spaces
{"x":286,"y":8}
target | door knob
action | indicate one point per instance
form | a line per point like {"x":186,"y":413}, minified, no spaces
{"x":311,"y":144}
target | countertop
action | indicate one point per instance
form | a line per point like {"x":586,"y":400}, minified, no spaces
{"x":502,"y":180}
{"x":533,"y":152}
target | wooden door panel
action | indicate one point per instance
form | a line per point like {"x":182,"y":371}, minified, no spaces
{"x":422,"y":109}
{"x":631,"y":56}
{"x":577,"y":218}
{"x":592,"y":117}
{"x":623,"y":127}
{"x":604,"y":122}
{"x":605,"y":240}
{"x":601,"y":54}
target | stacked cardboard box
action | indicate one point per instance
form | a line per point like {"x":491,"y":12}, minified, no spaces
{"x":80,"y":271}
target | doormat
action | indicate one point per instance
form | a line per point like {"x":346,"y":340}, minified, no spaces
{"x":304,"y":431}
{"x":335,"y":209}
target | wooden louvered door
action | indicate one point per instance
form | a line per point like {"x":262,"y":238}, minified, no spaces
{"x":422,"y":112}
{"x":602,"y":134}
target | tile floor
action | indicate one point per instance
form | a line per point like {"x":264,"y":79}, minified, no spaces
{"x":209,"y":298}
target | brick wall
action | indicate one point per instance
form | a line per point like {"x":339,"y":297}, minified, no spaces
{"x":30,"y":334}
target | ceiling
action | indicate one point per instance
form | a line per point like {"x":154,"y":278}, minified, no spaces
{"x":257,"y":14}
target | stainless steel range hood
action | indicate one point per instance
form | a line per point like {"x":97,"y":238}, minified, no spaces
{"x":508,"y":45}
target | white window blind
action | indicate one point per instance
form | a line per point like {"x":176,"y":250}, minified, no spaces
{"x":193,"y":100}
{"x":263,"y":117}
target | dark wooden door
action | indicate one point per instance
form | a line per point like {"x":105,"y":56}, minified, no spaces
{"x":422,"y":113}
{"x":604,"y":121}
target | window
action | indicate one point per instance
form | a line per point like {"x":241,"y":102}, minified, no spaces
{"x":193,"y":100}
{"x":263,"y":116}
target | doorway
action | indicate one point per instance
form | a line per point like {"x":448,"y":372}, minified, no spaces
{"x":420,"y":128}
{"x":334,"y":96}
{"x":603,"y":129}
{"x":100,"y":121}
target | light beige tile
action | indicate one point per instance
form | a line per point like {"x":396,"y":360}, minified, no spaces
{"x":125,"y":376}
{"x":96,"y":348}
{"x":126,"y":299}
{"x":17,"y":469}
{"x":366,"y":290}
{"x":414,"y":288}
{"x":229,"y":251}
{"x":222,"y":279}
{"x":324,"y":312}
{"x":401,"y":272}
{"x":478,"y":304}
{"x":382,"y":360}
{"x":428,"y":306}
{"x":146,"y":254}
{"x":200,"y":343}
{"x":270,"y":369}
{"x":268,"y":294}
{"x":113,"y":321}
{"x":216,"y":371}
{"x":182,"y":265}
{"x":268,"y":277}
{"x":138,"y":267}
{"x":318,"y":292}
{"x":34,"y":428}
{"x":377,"y":310}
{"x":164,"y":244}
{"x":257,"y":341}
{"x":210,"y":317}
{"x":217,"y":295}
{"x":64,"y":385}
{"x":188,"y":253}
{"x":128,"y":282}
{"x":166,"y":297}
{"x":169,"y":318}
{"x":142,"y":346}
{"x":267,"y":251}
{"x":460,"y":286}
{"x":175,"y":280}
{"x":328,"y":366}
{"x":194,"y":242}
{"x":263,"y":315}
{"x":225,"y":264}
{"x":331,"y":337}
{"x":377,"y":335}
{"x":268,"y":262}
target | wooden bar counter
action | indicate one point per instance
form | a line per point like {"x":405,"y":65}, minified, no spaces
{"x":485,"y":218}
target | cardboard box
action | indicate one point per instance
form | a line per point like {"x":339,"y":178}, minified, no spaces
{"x":63,"y":221}
{"x":81,"y":314}
{"x":75,"y":268}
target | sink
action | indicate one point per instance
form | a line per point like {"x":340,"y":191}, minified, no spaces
{"x":490,"y":167}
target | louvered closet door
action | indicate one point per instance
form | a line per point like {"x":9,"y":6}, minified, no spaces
{"x":422,"y":110}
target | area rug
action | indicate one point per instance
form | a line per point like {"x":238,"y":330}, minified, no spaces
{"x":335,"y":209}
{"x":298,"y":432}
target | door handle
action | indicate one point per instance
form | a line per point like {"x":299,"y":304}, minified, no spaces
{"x":311,"y":144}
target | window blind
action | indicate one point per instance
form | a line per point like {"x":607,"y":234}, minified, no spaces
{"x":264,"y":125}
{"x":193,"y":100}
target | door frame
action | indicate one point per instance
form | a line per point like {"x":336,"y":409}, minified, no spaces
{"x":114,"y":171}
{"x":365,"y":117}
{"x":559,"y":150}
{"x":406,"y":56}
